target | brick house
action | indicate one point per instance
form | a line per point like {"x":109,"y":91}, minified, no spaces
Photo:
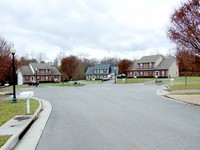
{"x":45,"y":72}
{"x":154,"y":66}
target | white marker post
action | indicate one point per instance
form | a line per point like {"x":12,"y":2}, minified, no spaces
{"x":28,"y":95}
{"x":172,"y":82}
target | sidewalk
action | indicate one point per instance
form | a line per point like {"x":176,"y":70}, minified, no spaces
{"x":178,"y":95}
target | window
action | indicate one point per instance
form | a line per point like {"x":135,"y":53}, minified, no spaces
{"x":141,"y":73}
{"x":47,"y":71}
{"x":47,"y":78}
{"x":141,"y":65}
{"x":150,"y":65}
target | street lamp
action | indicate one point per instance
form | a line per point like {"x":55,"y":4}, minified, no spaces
{"x":36,"y":76}
{"x":13,"y":51}
{"x":115,"y":74}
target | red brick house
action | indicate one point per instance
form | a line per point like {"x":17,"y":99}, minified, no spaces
{"x":44,"y":72}
{"x":154,"y":66}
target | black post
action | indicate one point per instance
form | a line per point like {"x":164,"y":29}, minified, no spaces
{"x":115,"y":74}
{"x":36,"y":84}
{"x":14,"y":100}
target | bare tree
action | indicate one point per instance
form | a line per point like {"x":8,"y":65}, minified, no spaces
{"x":184,"y":30}
{"x":108,"y":60}
{"x":41,"y":57}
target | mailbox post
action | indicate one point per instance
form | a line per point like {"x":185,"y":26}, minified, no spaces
{"x":28,"y":95}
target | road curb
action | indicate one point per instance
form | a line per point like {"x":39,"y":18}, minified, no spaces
{"x":13,"y":140}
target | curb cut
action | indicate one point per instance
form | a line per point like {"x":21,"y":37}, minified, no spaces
{"x":13,"y":140}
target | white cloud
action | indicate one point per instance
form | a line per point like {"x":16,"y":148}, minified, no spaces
{"x":115,"y":28}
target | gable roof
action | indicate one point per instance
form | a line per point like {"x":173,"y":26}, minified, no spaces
{"x":25,"y":70}
{"x":166,"y":63}
{"x":40,"y":65}
{"x":151,"y":58}
{"x":90,"y":70}
{"x":54,"y":71}
{"x":102,"y":66}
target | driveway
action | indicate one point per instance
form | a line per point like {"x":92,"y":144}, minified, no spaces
{"x":117,"y":117}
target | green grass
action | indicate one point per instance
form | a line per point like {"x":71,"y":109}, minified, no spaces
{"x":9,"y":110}
{"x":190,"y":86}
{"x":3,"y":140}
{"x":134,"y":80}
{"x":179,"y":83}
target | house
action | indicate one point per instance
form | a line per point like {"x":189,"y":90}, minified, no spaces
{"x":100,"y":71}
{"x":154,"y":66}
{"x":44,"y":72}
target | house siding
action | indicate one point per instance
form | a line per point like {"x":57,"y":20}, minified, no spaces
{"x":174,"y":71}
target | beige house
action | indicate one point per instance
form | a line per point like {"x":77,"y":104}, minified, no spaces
{"x":156,"y":66}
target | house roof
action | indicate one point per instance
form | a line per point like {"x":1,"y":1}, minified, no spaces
{"x":90,"y":70}
{"x":102,"y":66}
{"x":166,"y":63}
{"x":40,"y":65}
{"x":111,"y":69}
{"x":54,"y":71}
{"x":151,"y":58}
{"x":25,"y":70}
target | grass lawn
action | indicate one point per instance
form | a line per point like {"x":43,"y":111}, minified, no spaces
{"x":179,"y":83}
{"x":8,"y":110}
{"x":190,"y":86}
{"x":134,"y":80}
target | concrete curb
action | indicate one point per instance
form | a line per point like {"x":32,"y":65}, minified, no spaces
{"x":31,"y":138}
{"x":13,"y":140}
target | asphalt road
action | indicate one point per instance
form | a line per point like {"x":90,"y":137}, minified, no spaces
{"x":117,"y":117}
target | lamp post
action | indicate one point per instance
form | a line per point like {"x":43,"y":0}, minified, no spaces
{"x":36,"y":76}
{"x":115,"y":74}
{"x":13,"y":51}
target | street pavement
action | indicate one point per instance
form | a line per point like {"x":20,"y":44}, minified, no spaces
{"x":117,"y":117}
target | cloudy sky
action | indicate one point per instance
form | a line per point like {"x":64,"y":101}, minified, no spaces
{"x":89,"y":28}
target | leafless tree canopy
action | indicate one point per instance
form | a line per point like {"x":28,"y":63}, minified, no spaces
{"x":185,"y":27}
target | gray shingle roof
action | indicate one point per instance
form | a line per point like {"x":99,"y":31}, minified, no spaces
{"x":25,"y":70}
{"x":54,"y":71}
{"x":90,"y":71}
{"x":151,"y":58}
{"x":40,"y":65}
{"x":166,"y":63}
{"x":102,"y":66}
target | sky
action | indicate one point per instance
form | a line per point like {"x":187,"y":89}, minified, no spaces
{"x":88,"y":28}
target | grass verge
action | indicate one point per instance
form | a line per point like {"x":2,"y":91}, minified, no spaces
{"x":4,"y":139}
{"x":8,"y":110}
{"x":134,"y":80}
